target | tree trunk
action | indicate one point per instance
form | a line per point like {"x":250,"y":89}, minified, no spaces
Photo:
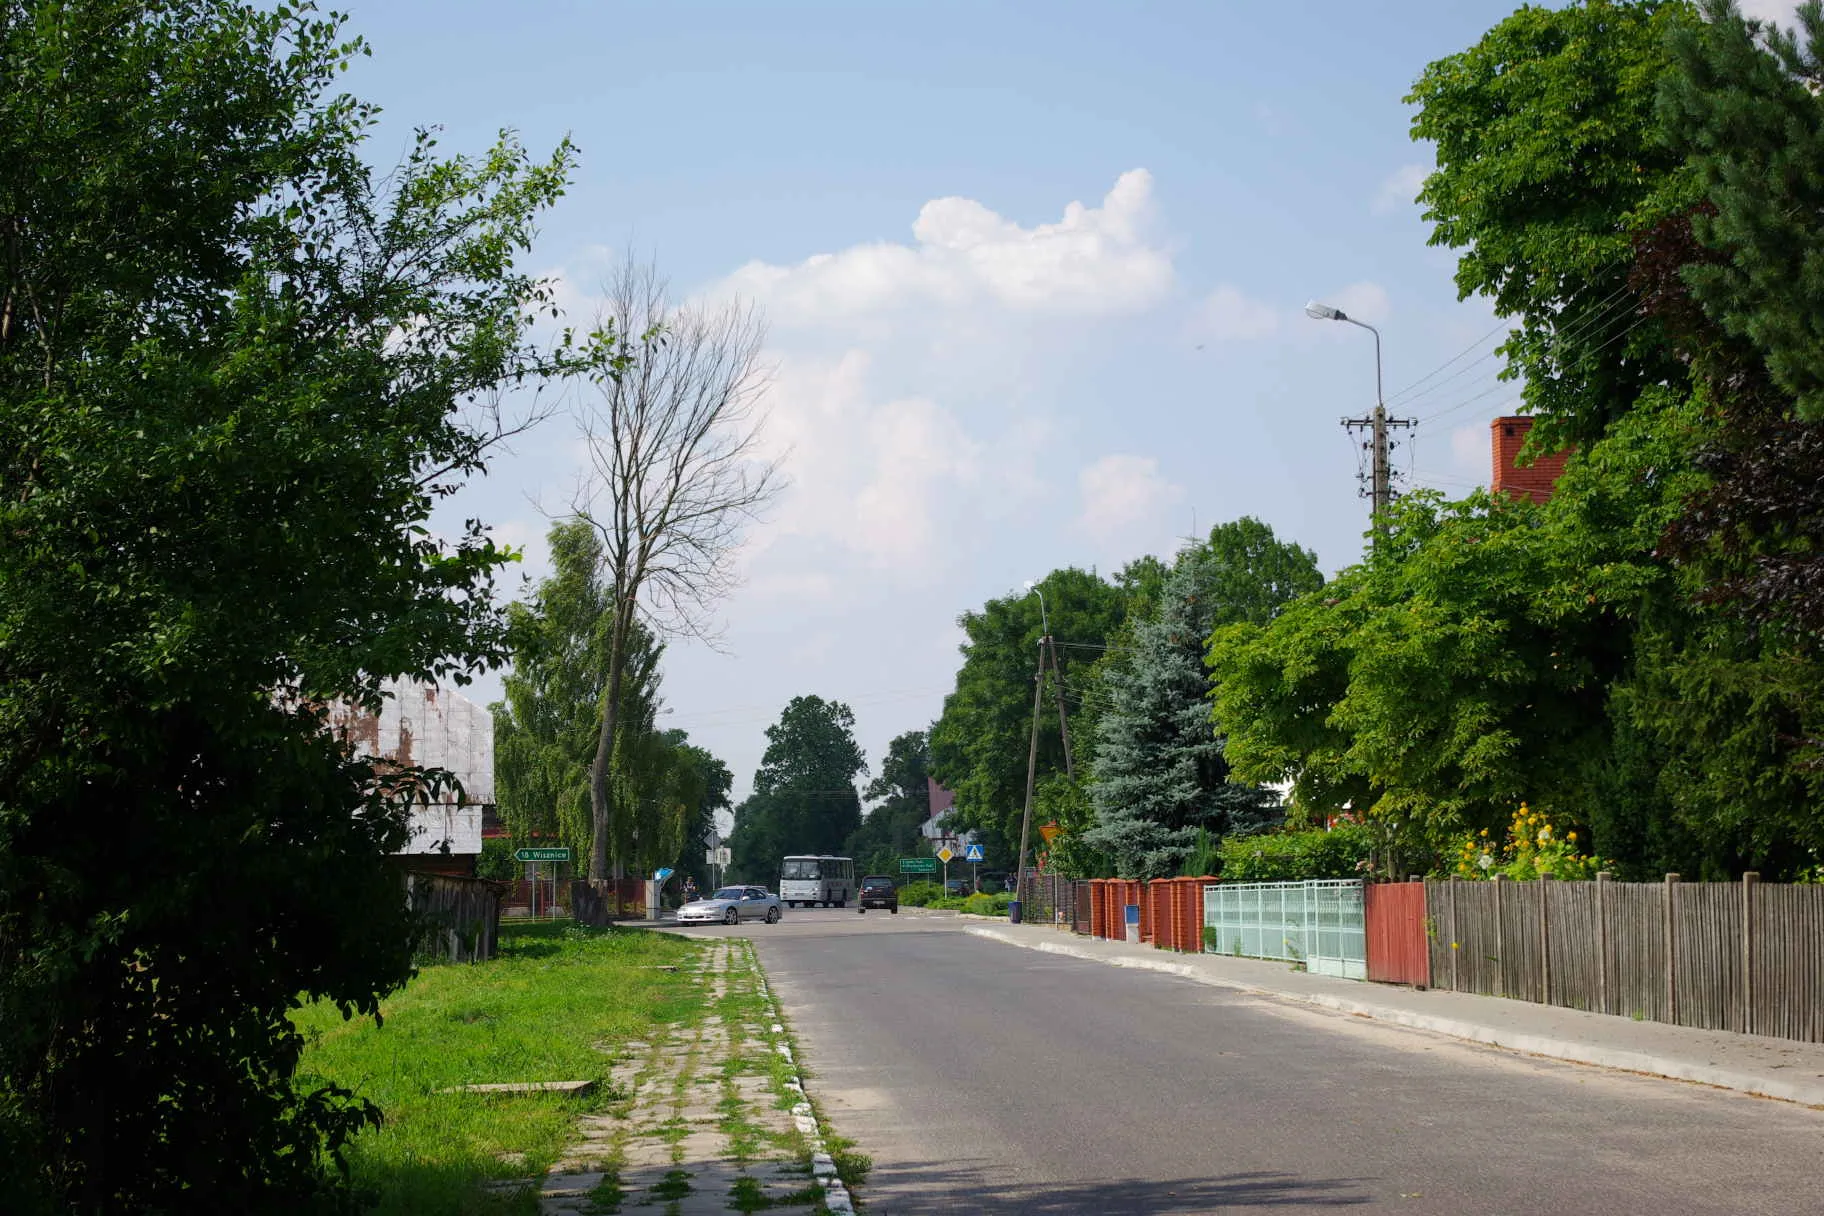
{"x":600,"y":805}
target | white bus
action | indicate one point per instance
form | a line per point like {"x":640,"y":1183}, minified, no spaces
{"x":817,"y":881}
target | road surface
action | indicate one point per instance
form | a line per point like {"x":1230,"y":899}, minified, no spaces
{"x":984,"y":1077}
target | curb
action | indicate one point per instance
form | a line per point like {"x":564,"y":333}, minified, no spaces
{"x":836,"y":1197}
{"x":1805,"y":1094}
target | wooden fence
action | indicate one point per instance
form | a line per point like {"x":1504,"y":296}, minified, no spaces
{"x":1744,"y":956}
{"x":461,"y":916}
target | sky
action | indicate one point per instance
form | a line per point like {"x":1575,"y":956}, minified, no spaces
{"x":1034,"y":278}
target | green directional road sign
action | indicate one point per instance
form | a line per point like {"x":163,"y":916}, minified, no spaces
{"x":918,"y":865}
{"x":541,"y":855}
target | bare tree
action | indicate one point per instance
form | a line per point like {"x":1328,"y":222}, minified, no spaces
{"x":676,"y":471}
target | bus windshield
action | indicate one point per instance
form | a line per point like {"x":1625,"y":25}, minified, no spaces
{"x":799,"y":867}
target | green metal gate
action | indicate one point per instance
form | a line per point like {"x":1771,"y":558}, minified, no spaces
{"x":1317,"y":923}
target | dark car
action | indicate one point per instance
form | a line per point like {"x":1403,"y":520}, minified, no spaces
{"x":878,"y":891}
{"x":956,"y":888}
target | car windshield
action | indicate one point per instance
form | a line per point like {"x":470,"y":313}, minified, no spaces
{"x":800,"y":868}
{"x":727,"y":893}
{"x":875,"y":884}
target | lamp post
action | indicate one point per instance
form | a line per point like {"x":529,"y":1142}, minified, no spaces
{"x":1381,"y":493}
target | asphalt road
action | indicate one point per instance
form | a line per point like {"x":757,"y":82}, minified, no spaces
{"x":984,"y":1077}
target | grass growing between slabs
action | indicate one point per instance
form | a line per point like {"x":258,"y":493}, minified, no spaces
{"x":538,"y":1012}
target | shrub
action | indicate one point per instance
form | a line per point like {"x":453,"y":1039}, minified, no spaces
{"x":1341,"y":852}
{"x":920,"y":894}
{"x":1534,"y":848}
{"x":987,"y":905}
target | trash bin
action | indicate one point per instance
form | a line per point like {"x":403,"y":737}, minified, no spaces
{"x":1014,"y":911}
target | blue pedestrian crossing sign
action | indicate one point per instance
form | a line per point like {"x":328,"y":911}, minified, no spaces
{"x":973,"y":853}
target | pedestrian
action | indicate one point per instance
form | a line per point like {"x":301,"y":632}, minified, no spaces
{"x":690,"y":889}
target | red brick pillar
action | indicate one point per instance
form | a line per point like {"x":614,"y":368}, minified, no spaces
{"x":1183,"y":892}
{"x":1196,"y":896}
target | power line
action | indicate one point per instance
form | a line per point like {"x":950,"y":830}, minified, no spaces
{"x":1400,"y":394}
{"x":1490,"y":391}
{"x":1598,"y":315}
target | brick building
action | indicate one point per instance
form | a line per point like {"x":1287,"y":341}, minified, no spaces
{"x":1536,"y":480}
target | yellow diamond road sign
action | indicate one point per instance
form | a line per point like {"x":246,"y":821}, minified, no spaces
{"x":944,"y":854}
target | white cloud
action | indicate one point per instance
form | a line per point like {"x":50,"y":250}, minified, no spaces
{"x":869,"y":475}
{"x":900,"y":368}
{"x":1123,"y":494}
{"x":1227,"y":315}
{"x":1093,"y":261}
{"x":1364,"y":301}
{"x":1399,"y":189}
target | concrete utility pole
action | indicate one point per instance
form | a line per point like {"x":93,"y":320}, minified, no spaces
{"x":1032,"y":768}
{"x":1048,"y":649}
{"x":1380,"y":492}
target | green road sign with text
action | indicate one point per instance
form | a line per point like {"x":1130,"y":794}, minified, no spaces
{"x":541,"y":855}
{"x":918,"y":865}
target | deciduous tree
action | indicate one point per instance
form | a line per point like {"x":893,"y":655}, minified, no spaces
{"x":546,"y":730}
{"x":892,"y":829}
{"x":237,"y":368}
{"x":804,"y":798}
{"x":979,"y":745}
{"x":1549,"y":158}
{"x":676,"y":470}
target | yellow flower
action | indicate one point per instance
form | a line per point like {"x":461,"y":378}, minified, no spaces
{"x":1485,"y":831}
{"x":1571,"y":836}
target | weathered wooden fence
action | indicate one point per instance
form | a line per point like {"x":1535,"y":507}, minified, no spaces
{"x":1741,"y":956}
{"x":461,"y":915}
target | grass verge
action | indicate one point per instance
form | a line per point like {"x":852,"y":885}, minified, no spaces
{"x":538,"y":1012}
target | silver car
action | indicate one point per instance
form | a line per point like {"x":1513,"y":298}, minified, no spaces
{"x":731,"y":905}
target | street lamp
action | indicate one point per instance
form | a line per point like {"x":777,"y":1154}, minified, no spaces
{"x":1381,"y":493}
{"x":1044,"y":621}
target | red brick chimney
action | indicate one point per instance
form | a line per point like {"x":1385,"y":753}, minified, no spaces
{"x":1534,"y":481}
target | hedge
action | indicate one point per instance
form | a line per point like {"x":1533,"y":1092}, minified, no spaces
{"x":1340,"y":852}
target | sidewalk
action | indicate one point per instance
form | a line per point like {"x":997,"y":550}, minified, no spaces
{"x":703,"y":1119}
{"x":1773,"y":1068}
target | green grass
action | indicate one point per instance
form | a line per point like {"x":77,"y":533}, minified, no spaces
{"x":536,"y":1013}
